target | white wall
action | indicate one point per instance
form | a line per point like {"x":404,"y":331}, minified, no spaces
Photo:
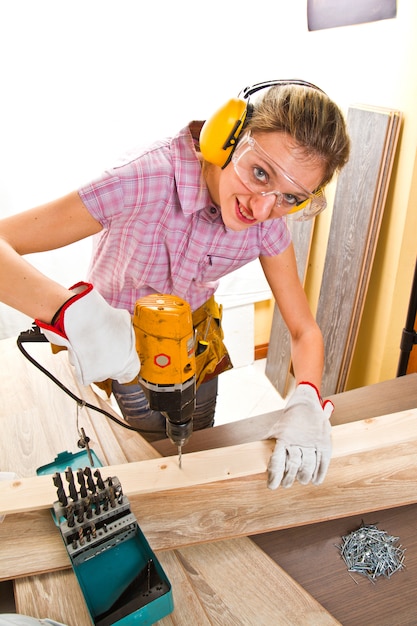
{"x":82,"y":81}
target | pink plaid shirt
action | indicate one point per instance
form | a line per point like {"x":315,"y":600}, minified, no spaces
{"x":162,"y":233}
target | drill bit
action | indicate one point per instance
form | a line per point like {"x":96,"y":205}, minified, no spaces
{"x":60,"y":489}
{"x":90,"y":480}
{"x":81,"y":482}
{"x":180,"y":457}
{"x":71,"y":484}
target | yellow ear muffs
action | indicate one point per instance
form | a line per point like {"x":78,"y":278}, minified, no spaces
{"x":219,"y":134}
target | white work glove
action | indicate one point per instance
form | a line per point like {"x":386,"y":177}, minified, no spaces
{"x":100,"y":338}
{"x":303,"y":439}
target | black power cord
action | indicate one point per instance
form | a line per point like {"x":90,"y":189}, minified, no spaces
{"x":34,"y":335}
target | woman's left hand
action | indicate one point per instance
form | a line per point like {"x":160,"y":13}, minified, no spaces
{"x":303,"y":439}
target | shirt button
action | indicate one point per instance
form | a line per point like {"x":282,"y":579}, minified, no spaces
{"x":213,"y":210}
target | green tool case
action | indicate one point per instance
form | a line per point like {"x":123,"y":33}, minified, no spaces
{"x":119,"y":575}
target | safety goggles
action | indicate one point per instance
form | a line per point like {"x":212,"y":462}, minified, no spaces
{"x":261,"y":175}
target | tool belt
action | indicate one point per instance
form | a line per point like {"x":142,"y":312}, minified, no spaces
{"x":212,"y":357}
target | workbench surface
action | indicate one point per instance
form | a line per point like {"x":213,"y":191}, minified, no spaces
{"x":38,"y":420}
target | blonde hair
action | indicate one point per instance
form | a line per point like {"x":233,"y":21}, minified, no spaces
{"x":310,"y":117}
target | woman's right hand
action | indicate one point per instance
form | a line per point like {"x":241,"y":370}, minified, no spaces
{"x":100,"y":338}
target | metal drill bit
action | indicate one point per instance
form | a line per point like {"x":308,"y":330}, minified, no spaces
{"x":71,"y":484}
{"x":149,"y":575}
{"x":90,"y":480}
{"x":70,"y":515}
{"x":81,"y":482}
{"x":180,"y":457}
{"x":60,"y":489}
{"x":100,"y":481}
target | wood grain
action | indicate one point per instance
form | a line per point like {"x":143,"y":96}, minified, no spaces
{"x":211,"y":466}
{"x":357,"y":213}
{"x":214,"y":570}
{"x":374,"y":461}
{"x":387,"y":162}
{"x":57,"y":597}
{"x":205,"y":590}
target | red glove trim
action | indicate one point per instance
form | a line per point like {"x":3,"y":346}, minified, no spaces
{"x":57,"y":323}
{"x":323,"y":404}
{"x":305,"y":382}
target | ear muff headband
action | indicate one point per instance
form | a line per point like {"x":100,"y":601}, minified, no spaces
{"x":220,"y":133}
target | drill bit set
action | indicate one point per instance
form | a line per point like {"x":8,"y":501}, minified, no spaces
{"x":96,"y":515}
{"x":119,"y":575}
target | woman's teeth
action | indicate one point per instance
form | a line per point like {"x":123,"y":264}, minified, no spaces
{"x":245,"y":213}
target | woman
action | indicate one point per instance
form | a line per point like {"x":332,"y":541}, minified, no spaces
{"x":176,"y":218}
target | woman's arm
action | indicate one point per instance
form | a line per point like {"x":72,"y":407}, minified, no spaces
{"x":302,"y":431}
{"x":47,"y":227}
{"x":306,"y":338}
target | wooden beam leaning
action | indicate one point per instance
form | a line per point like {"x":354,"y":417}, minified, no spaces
{"x":357,"y":213}
{"x":222,"y":493}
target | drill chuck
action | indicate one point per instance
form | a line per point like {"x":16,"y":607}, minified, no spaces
{"x":179,"y":434}
{"x":177,"y":404}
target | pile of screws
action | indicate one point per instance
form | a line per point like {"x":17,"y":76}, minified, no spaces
{"x":372,"y":552}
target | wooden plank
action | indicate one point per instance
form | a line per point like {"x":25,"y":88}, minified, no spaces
{"x":57,"y":597}
{"x":380,"y":199}
{"x":57,"y":594}
{"x":356,"y":218}
{"x":210,"y":584}
{"x":355,"y":484}
{"x":188,"y":609}
{"x":373,"y":465}
{"x":278,"y":361}
{"x":389,"y":396}
{"x":154,"y":475}
{"x":211,"y":466}
{"x":263,"y":595}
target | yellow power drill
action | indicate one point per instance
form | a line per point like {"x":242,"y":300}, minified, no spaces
{"x":165,"y":344}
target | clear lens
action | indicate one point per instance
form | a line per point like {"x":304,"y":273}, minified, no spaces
{"x":260,"y":174}
{"x":310,"y":208}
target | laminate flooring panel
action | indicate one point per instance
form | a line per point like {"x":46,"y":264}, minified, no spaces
{"x":357,"y":213}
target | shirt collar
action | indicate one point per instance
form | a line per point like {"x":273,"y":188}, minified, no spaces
{"x":191,"y":187}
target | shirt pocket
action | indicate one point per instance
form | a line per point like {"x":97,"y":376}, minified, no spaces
{"x":214,"y":267}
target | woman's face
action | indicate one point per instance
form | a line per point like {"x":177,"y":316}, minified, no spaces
{"x":241,"y":206}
